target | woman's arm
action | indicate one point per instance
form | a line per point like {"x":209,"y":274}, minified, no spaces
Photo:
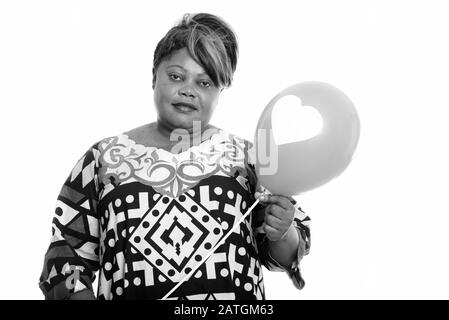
{"x":72,"y":257}
{"x":285,"y":250}
{"x":282,"y":240}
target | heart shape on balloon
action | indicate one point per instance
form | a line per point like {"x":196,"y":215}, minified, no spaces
{"x":292,"y":121}
{"x":294,"y":154}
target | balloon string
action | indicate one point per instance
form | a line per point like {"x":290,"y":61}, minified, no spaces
{"x":212,"y":250}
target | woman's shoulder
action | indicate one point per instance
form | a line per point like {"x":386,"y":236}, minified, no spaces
{"x":139,"y":135}
{"x":141,"y":131}
{"x":241,"y":143}
{"x":107,"y":141}
{"x":144,"y":135}
{"x":235,"y":137}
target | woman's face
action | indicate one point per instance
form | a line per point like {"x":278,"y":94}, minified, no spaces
{"x":183,"y":93}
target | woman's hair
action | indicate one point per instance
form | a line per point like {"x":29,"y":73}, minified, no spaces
{"x":209,"y":40}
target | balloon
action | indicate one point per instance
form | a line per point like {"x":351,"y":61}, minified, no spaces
{"x":297,"y":167}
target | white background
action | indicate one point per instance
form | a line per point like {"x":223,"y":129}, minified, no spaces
{"x":72,"y":73}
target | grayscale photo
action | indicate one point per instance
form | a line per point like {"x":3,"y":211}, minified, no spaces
{"x":238,"y":150}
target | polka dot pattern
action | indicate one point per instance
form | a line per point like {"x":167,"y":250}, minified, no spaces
{"x":58,"y":211}
{"x":224,"y":225}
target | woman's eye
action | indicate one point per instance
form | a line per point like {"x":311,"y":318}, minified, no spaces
{"x":174,"y":76}
{"x":205,"y":84}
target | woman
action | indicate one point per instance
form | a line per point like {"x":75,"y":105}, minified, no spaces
{"x":144,"y":207}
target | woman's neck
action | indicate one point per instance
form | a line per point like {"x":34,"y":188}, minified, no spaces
{"x":194,"y":135}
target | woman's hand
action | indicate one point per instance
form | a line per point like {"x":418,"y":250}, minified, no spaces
{"x":279,"y":215}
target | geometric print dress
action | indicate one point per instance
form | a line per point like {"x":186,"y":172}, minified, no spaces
{"x":140,"y":218}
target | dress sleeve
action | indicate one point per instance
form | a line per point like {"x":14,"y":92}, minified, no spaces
{"x":72,"y":258}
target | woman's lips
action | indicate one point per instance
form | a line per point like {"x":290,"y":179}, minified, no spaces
{"x":184,"y":107}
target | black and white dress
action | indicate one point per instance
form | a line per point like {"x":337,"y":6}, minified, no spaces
{"x":144,"y":217}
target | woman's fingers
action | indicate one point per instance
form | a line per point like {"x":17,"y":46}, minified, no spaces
{"x":272,"y":220}
{"x":279,"y":200}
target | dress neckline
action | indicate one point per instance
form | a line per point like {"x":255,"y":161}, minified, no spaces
{"x":217,"y":136}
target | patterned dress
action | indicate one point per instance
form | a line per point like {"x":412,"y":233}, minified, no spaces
{"x":144,"y":217}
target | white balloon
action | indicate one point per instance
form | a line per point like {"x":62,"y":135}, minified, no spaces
{"x":297,"y":167}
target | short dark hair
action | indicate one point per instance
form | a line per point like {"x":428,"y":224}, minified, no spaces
{"x":209,"y":40}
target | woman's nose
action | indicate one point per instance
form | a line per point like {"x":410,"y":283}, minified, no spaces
{"x":187,"y":91}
